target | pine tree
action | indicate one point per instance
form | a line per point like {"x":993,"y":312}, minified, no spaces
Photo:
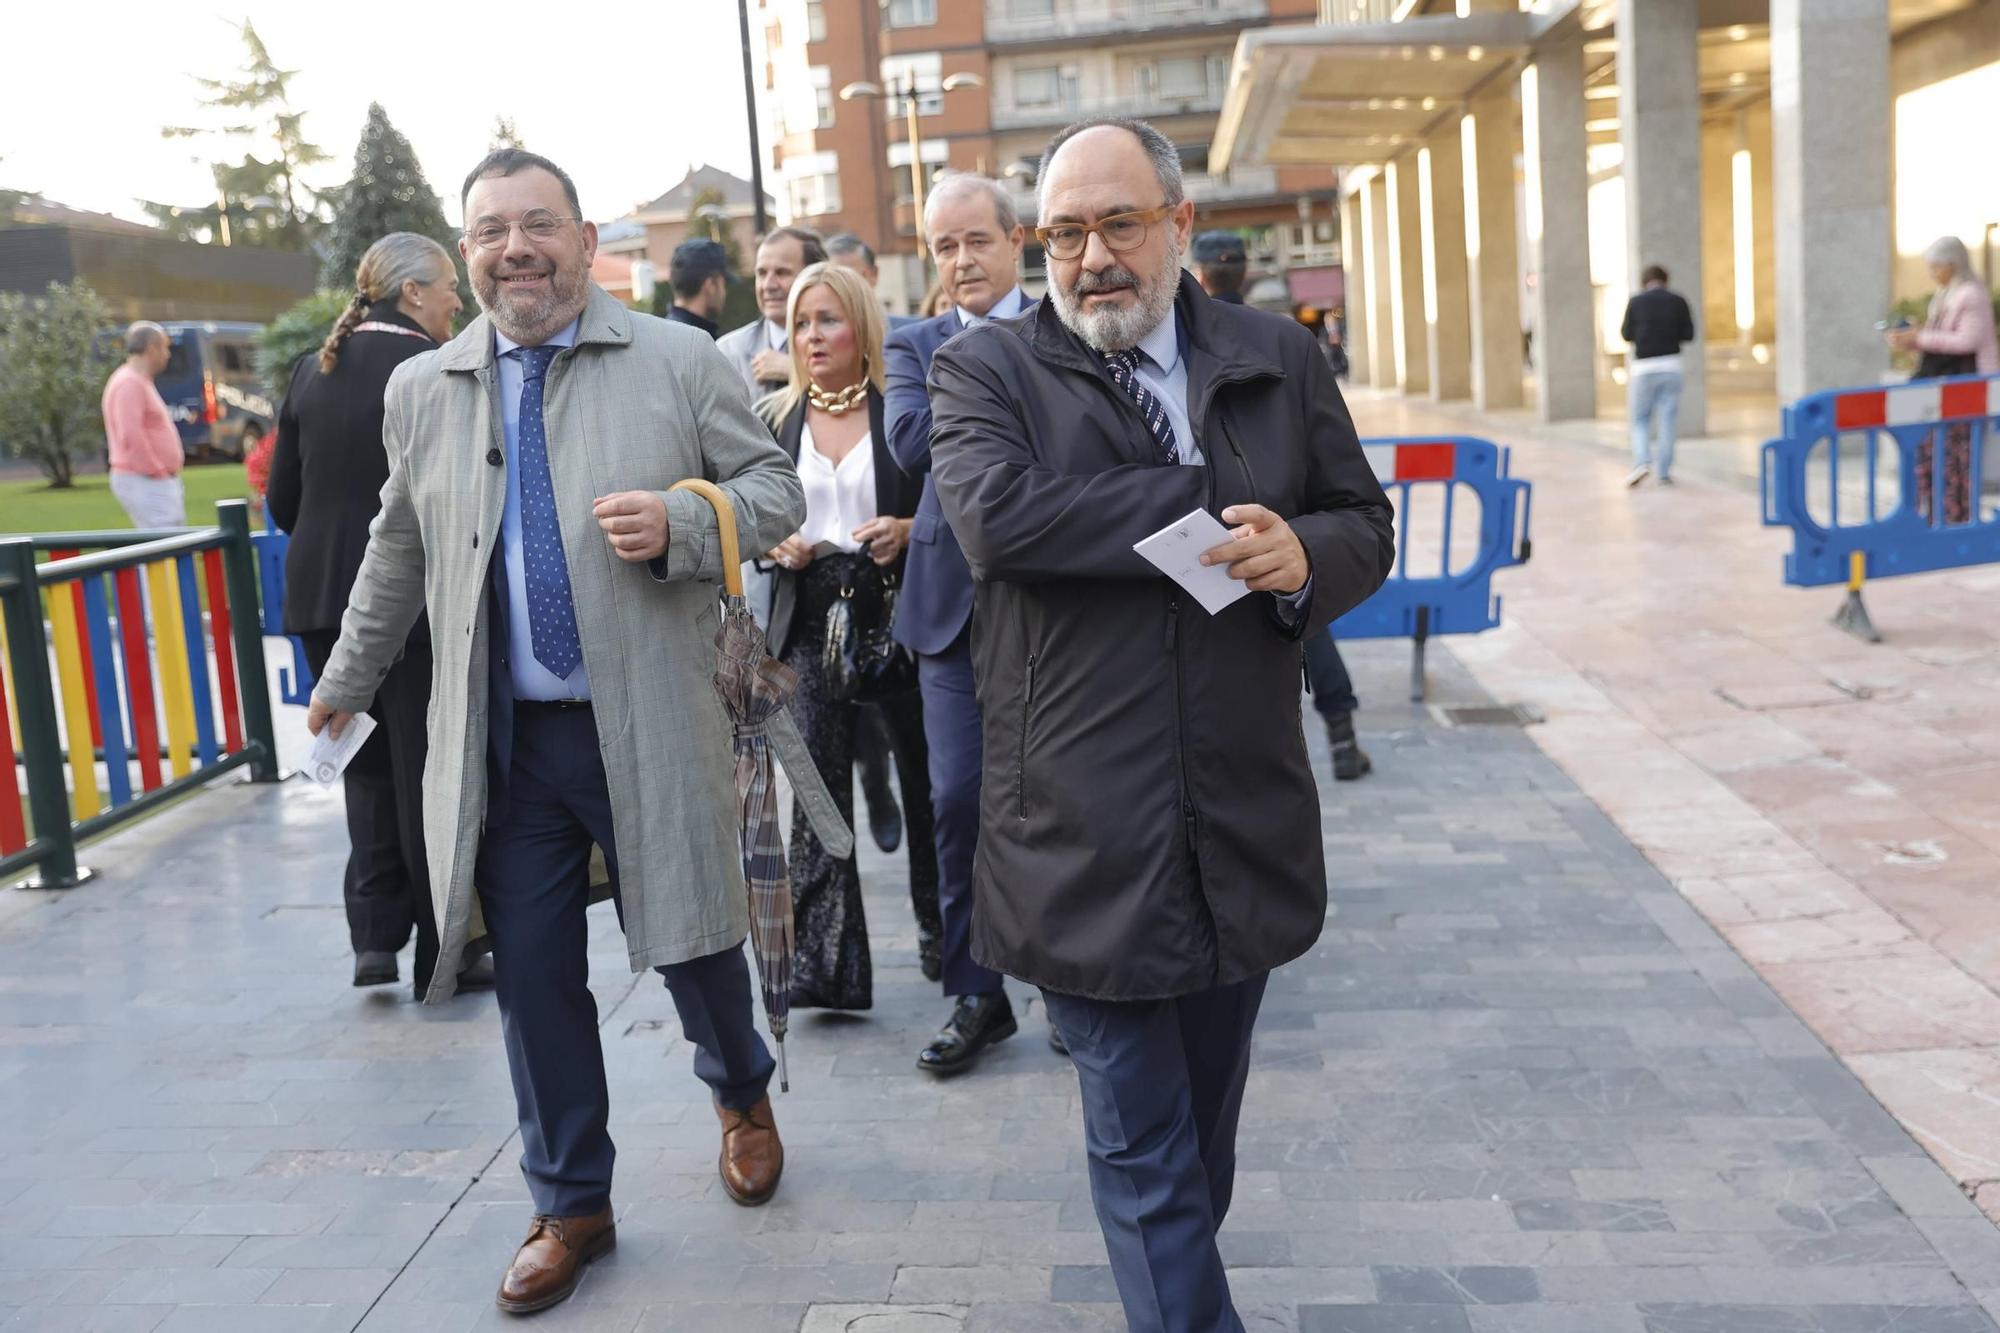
{"x":504,"y":133}
{"x":386,"y":193}
{"x":260,"y":200}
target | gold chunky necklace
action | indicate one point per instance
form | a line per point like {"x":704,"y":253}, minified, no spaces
{"x":838,"y":404}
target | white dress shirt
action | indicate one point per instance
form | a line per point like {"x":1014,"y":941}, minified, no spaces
{"x":840,"y":497}
{"x":532,"y":680}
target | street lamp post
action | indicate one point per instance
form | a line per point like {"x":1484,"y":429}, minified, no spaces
{"x":904,"y":88}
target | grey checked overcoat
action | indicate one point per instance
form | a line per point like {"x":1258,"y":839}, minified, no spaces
{"x":636,"y":404}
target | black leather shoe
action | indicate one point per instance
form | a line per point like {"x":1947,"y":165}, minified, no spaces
{"x":479,"y":976}
{"x":930,"y":955}
{"x":1350,"y":761}
{"x":977,"y":1022}
{"x":374,"y":967}
{"x":885,"y":822}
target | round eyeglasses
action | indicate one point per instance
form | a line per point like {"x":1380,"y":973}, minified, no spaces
{"x":492,"y":233}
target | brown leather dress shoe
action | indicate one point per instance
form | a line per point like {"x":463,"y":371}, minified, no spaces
{"x":551,"y":1260}
{"x":752,"y":1156}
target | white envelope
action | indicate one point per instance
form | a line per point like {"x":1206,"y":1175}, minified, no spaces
{"x":1177,"y":549}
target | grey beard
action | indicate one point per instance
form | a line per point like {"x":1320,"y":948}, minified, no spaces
{"x":535,"y":324}
{"x":1113,"y":330}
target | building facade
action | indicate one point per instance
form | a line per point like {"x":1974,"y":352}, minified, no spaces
{"x":634,"y":252}
{"x":992,"y":80}
{"x":1509,"y":167}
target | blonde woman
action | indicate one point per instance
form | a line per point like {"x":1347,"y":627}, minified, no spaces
{"x":327,"y":472}
{"x":859,"y":507}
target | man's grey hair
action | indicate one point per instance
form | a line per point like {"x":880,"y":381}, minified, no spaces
{"x":1159,"y":148}
{"x":847,"y":243}
{"x":140,"y":336}
{"x":958,"y":184}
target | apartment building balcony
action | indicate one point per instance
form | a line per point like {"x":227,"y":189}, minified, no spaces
{"x":1030,"y":21}
{"x":1061,"y":111}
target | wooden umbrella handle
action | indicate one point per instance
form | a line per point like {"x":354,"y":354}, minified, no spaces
{"x":725,"y":518}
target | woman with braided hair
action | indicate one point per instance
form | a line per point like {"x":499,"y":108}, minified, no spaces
{"x":326,"y":481}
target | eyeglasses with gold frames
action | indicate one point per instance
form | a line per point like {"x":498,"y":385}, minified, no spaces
{"x":1120,"y":231}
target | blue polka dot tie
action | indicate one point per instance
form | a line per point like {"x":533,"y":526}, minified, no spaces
{"x":1124,"y":367}
{"x":551,"y":614}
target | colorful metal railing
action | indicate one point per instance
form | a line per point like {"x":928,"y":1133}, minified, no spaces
{"x":107,"y":663}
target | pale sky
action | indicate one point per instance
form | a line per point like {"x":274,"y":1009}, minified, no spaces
{"x":625,"y":97}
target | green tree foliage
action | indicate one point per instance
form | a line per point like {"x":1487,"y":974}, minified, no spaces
{"x":260,"y":200}
{"x":53,"y":365}
{"x":297,"y":331}
{"x":386,"y":193}
{"x":504,"y":134}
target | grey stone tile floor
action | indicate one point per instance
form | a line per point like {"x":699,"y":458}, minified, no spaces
{"x":1518,"y":1087}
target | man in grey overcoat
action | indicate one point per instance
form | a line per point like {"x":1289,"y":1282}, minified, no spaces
{"x":573,"y":610}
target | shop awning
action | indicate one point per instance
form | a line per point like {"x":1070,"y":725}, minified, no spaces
{"x":1321,"y":288}
{"x":1334,"y":95}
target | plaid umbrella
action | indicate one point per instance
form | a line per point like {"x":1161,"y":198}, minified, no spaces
{"x":754,"y":688}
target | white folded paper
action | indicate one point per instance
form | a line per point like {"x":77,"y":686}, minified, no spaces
{"x":1177,"y":549}
{"x":329,"y":758}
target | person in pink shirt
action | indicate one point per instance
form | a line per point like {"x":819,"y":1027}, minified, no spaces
{"x":1956,"y":339}
{"x":146,"y":450}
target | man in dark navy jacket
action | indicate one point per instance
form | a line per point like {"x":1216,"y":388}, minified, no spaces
{"x":976,"y":238}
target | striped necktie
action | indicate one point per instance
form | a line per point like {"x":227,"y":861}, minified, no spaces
{"x":1124,"y":368}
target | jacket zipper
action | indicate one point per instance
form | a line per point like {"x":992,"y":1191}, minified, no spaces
{"x":1180,"y":731}
{"x":1021,"y":762}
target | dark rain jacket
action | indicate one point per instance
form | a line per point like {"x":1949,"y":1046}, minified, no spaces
{"x":1149,"y":825}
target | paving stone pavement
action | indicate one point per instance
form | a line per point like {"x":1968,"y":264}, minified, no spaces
{"x":1519,"y":1085}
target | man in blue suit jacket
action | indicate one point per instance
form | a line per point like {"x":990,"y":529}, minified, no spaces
{"x":976,"y":239}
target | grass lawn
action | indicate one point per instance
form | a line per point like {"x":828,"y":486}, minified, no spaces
{"x":28,"y":505}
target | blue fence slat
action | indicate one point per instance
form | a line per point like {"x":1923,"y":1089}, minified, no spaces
{"x":295,"y":682}
{"x":103,"y":660}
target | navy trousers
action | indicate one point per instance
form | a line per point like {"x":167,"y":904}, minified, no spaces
{"x":1162,"y":1088}
{"x":534,"y":872}
{"x":951,"y":729}
{"x":1332,"y":687}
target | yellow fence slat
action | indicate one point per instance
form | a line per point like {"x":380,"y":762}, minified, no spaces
{"x":83,"y":798}
{"x":170,"y":652}
{"x":7,"y":676}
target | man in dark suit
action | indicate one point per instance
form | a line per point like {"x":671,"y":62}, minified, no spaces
{"x":699,"y":275}
{"x":976,"y":238}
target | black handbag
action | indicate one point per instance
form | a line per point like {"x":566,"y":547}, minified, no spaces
{"x":1939,"y":365}
{"x":860,"y":659}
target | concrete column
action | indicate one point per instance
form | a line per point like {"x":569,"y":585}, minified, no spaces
{"x":1830,"y":187}
{"x":1492,"y":257}
{"x":1354,"y":261}
{"x":1406,"y":260}
{"x":1381,"y":323}
{"x":1447,"y":308}
{"x":1659,"y":124}
{"x":1558,"y":226}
